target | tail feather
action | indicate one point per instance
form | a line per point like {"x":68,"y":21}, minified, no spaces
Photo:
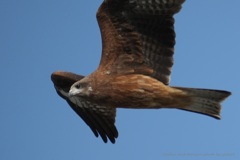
{"x":205,"y":101}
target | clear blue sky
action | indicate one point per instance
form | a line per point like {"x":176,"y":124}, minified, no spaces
{"x":39,"y":37}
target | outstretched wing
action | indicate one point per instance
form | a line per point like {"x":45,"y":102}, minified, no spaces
{"x":100,"y":119}
{"x":138,"y":36}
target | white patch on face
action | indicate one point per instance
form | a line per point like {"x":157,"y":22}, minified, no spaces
{"x":90,"y":89}
{"x":73,"y":91}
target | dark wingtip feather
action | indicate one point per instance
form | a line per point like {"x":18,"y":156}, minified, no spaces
{"x":64,"y":79}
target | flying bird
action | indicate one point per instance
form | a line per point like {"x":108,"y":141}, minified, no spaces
{"x":138,"y":41}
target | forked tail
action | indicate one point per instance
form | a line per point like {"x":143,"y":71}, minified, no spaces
{"x":206,"y":101}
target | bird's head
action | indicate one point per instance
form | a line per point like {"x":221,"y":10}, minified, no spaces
{"x":81,"y":88}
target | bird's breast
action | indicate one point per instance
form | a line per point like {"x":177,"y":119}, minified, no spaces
{"x":135,"y":91}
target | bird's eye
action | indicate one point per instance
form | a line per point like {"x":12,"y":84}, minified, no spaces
{"x":78,"y":86}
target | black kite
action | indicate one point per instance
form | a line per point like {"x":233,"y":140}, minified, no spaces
{"x":138,"y":41}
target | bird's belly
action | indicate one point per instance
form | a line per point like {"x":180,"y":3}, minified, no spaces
{"x":139,"y":91}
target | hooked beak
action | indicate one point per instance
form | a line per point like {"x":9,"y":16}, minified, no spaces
{"x":73,"y":91}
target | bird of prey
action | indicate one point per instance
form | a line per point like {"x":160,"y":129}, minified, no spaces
{"x":138,"y":41}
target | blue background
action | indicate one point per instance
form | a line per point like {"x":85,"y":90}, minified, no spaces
{"x":39,"y":37}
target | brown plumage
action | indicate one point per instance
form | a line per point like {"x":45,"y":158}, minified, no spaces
{"x":137,"y":56}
